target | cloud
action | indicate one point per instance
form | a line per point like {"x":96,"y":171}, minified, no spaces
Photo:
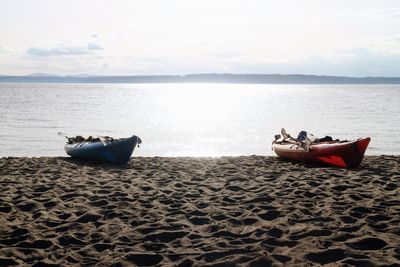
{"x":4,"y":51}
{"x":373,"y":63}
{"x":48,"y":52}
{"x":94,"y":46}
{"x":358,"y":62}
{"x":63,"y":50}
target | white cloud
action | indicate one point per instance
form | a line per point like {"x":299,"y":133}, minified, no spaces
{"x":94,"y":46}
{"x":63,"y":50}
{"x":48,"y":52}
{"x":357,"y":62}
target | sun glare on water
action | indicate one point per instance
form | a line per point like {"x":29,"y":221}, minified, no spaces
{"x":199,"y":109}
{"x":201,"y":106}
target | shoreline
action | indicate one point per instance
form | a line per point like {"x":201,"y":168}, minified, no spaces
{"x":186,"y":157}
{"x":242,"y":210}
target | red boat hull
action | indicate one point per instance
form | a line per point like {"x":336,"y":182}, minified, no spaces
{"x":339,"y":154}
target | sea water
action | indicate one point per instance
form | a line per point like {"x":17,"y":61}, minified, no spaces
{"x":195,"y":119}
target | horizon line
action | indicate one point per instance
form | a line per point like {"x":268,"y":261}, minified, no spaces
{"x":228,"y":78}
{"x":83,"y":75}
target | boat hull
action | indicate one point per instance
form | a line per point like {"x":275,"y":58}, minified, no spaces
{"x":117,"y":152}
{"x":339,"y":154}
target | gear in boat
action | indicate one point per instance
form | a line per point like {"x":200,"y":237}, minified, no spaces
{"x":80,"y":139}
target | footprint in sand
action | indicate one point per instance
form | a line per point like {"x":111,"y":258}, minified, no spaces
{"x":326,"y":256}
{"x":8,"y":262}
{"x":27,"y":206}
{"x":88,"y":217}
{"x":269,"y":215}
{"x":369,"y":243}
{"x":5,"y":208}
{"x":144,"y":259}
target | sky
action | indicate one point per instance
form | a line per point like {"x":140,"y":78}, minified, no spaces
{"x":323,"y":37}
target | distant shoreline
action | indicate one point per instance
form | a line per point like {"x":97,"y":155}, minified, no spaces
{"x":205,"y":78}
{"x":180,"y":157}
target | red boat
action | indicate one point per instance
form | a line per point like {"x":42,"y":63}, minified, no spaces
{"x":344,"y":154}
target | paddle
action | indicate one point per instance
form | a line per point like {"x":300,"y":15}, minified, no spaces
{"x":287,"y":136}
{"x":70,"y":139}
{"x":104,"y":140}
{"x":62,"y":134}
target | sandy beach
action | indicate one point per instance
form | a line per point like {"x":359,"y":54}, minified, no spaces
{"x":228,"y":211}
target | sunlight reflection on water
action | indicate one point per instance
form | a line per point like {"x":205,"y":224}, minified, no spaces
{"x":194,"y":119}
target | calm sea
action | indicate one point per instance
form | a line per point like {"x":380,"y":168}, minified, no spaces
{"x":195,"y":119}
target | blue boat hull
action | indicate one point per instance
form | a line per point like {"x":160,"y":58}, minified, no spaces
{"x":116,"y":152}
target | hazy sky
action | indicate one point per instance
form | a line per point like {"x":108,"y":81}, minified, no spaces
{"x":349,"y":37}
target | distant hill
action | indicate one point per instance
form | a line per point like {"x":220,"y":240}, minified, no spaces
{"x":201,"y":78}
{"x":42,"y":75}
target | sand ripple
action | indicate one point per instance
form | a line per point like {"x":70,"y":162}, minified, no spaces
{"x":248,"y":211}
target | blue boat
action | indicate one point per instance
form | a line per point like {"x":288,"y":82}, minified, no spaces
{"x":103,"y":149}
